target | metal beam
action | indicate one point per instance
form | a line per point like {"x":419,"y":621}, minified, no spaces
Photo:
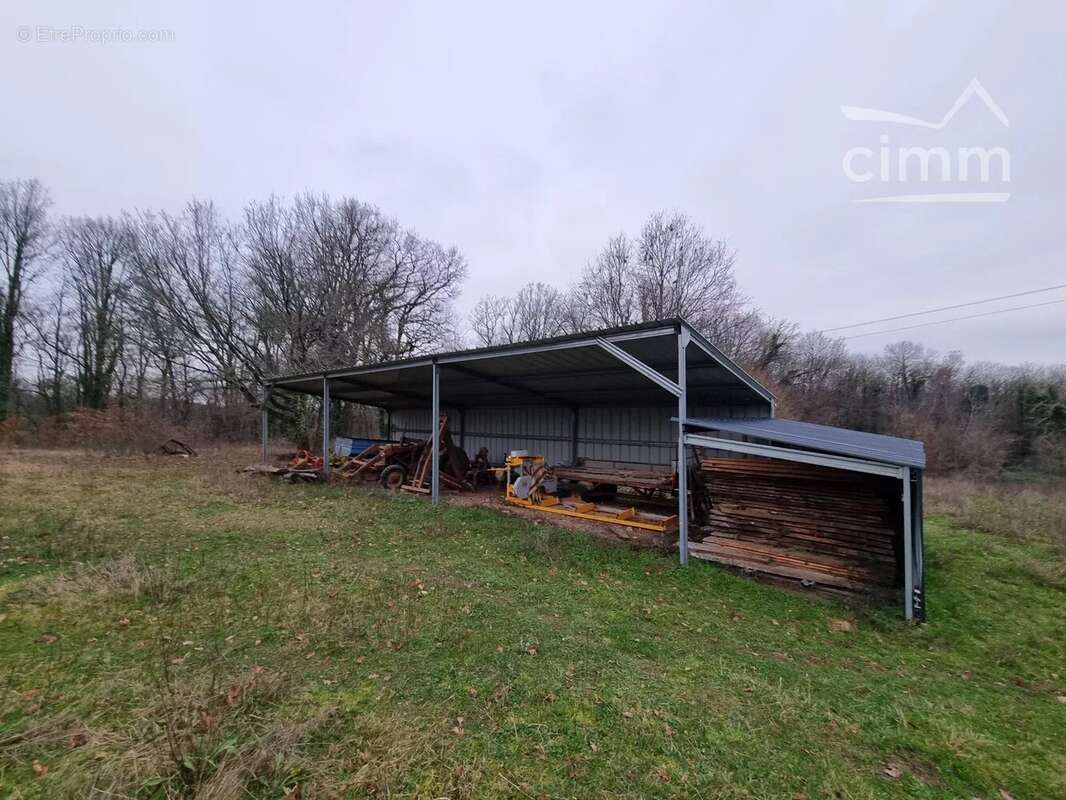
{"x":801,"y":456}
{"x":513,"y":386}
{"x":636,"y":364}
{"x":908,"y":547}
{"x":569,"y":345}
{"x":727,"y":363}
{"x":435,"y":437}
{"x":666,"y":330}
{"x":682,"y":448}
{"x":325,"y":428}
{"x":372,"y":388}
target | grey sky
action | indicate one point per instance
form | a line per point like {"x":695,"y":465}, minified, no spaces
{"x":528,"y":137}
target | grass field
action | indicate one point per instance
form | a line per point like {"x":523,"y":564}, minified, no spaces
{"x":169,"y":629}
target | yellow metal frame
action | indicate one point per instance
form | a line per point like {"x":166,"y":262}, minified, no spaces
{"x":583,"y":510}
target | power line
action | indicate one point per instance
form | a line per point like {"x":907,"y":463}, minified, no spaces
{"x":943,"y":308}
{"x":954,"y":319}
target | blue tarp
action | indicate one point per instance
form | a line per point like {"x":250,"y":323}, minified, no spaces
{"x":351,"y":446}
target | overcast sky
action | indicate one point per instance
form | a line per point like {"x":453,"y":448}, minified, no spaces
{"x":528,"y":137}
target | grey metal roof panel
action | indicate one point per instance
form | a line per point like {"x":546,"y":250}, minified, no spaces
{"x":481,"y":352}
{"x":842,"y":441}
{"x":567,"y":370}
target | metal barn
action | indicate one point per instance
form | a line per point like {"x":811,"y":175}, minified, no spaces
{"x":653,"y":395}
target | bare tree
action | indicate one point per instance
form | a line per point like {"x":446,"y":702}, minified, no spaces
{"x":23,"y":241}
{"x":486,"y":320}
{"x":681,"y":272}
{"x":417,"y":296}
{"x":909,"y":366}
{"x":300,"y":285}
{"x":339,"y":282}
{"x":605,"y":297}
{"x":813,"y":360}
{"x":52,"y":346}
{"x":537,"y":311}
{"x":185,"y":270}
{"x":92,"y":254}
{"x":673,"y":269}
{"x":758,"y":342}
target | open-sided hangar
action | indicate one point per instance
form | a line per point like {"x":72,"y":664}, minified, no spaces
{"x":656,"y":395}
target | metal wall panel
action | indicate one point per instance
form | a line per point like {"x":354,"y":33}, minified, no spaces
{"x":622,"y":435}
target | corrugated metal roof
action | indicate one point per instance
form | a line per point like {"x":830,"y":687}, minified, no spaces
{"x":567,"y":371}
{"x":842,"y":441}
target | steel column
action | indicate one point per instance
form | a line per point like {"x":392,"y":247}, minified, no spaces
{"x":264,"y":421}
{"x":574,"y":417}
{"x":325,"y":428}
{"x":682,"y":449}
{"x":435,"y":436}
{"x":908,"y":547}
{"x":462,"y":429}
{"x":919,"y":549}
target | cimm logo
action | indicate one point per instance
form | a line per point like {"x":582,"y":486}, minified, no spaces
{"x":963,"y":173}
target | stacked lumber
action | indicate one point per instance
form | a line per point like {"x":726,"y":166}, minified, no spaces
{"x":636,"y":479}
{"x":813,"y":524}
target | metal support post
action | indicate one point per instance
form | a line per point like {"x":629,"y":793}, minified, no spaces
{"x":574,"y":419}
{"x":264,"y":421}
{"x":908,"y":545}
{"x":920,"y":607}
{"x":325,"y":428}
{"x":682,"y":449}
{"x":435,"y":436}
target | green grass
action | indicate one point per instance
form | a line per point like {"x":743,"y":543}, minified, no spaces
{"x":171,"y":631}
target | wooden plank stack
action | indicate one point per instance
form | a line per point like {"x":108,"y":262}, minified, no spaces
{"x":636,"y":479}
{"x":817,"y":525}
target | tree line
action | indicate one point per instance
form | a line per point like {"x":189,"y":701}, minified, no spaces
{"x":194,"y":309}
{"x":971,"y":417}
{"x":188,"y":312}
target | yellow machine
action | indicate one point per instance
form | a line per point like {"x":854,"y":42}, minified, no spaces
{"x":528,"y":485}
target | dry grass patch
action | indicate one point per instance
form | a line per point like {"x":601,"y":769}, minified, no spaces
{"x":125,"y":576}
{"x":197,"y":737}
{"x":1019,"y":510}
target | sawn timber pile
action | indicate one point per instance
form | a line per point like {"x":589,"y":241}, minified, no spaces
{"x":817,"y":525}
